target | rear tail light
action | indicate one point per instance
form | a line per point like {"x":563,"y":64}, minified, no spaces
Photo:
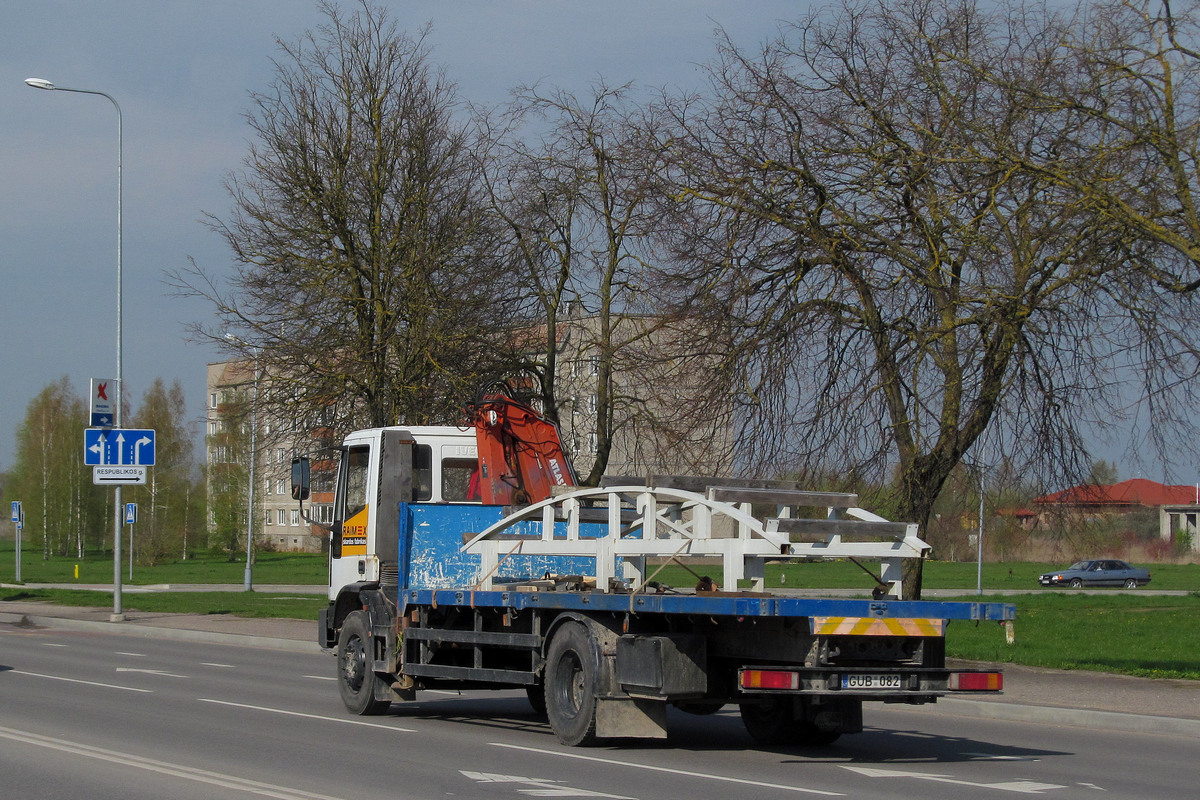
{"x":976,"y":682}
{"x":770,"y":679}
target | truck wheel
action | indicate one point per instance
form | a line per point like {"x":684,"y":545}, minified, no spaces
{"x":537,"y":698}
{"x":356,"y":679}
{"x":771,"y":723}
{"x":571,"y":670}
{"x":810,"y":735}
{"x":774,"y":723}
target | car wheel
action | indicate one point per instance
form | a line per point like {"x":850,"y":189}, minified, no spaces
{"x":1131,"y":583}
{"x":1076,"y":583}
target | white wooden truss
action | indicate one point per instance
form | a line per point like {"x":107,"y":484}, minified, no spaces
{"x":681,"y":518}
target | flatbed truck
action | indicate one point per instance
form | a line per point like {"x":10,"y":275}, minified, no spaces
{"x":435,"y":584}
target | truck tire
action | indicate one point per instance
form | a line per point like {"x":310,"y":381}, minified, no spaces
{"x":356,"y":679}
{"x":770,"y":723}
{"x":537,"y":699}
{"x":774,"y":723}
{"x":571,"y":672}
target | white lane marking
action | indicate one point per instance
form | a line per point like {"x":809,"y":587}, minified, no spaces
{"x":52,"y":644}
{"x":133,"y":655}
{"x":150,"y":672}
{"x":540,"y":787}
{"x":307,"y":716}
{"x":1020,"y":787}
{"x":320,"y":677}
{"x":76,"y":680}
{"x":222,"y":666}
{"x":163,"y":767}
{"x":670,"y":770}
{"x":998,"y":757}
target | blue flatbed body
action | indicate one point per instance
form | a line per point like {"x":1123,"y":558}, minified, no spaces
{"x":716,"y":604}
{"x":436,"y":572}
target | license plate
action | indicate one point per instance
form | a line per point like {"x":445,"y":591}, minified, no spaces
{"x":869,"y":681}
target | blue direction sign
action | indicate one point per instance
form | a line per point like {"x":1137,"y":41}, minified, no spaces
{"x":130,"y":513}
{"x":118,"y":447}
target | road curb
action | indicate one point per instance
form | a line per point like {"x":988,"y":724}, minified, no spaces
{"x":1071,"y":717}
{"x":159,"y":632}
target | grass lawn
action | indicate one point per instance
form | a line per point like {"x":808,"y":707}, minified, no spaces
{"x":242,"y":604}
{"x":1149,"y":636}
{"x":269,"y":568}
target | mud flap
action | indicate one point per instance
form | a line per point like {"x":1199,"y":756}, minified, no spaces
{"x":630,"y":718}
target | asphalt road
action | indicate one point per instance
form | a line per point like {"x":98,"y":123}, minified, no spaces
{"x":89,"y":714}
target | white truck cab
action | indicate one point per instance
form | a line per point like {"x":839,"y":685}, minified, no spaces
{"x":427,"y":464}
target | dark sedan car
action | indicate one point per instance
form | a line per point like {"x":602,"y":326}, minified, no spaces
{"x":1101,"y":572}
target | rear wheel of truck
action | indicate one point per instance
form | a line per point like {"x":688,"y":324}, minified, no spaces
{"x":571,"y":670}
{"x":774,"y":723}
{"x":356,"y":679}
{"x":537,"y":699}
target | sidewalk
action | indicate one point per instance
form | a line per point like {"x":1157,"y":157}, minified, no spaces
{"x":1054,"y":697}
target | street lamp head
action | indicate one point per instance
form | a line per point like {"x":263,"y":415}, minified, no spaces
{"x":40,"y":83}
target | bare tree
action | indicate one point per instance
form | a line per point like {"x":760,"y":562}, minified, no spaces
{"x":573,"y":181}
{"x":169,"y":502}
{"x":1125,"y":92}
{"x":60,"y":502}
{"x":894,"y":287}
{"x":366,"y":283}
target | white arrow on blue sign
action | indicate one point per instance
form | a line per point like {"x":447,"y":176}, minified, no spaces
{"x":118,"y":447}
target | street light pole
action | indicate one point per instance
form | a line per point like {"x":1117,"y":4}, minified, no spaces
{"x":118,"y":508}
{"x":247,"y":584}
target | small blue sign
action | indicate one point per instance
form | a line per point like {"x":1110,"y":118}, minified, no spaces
{"x":16,"y":510}
{"x":102,"y":420}
{"x":103,"y":447}
{"x":130,"y":513}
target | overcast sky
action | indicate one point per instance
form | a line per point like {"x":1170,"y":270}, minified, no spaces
{"x":181,"y":71}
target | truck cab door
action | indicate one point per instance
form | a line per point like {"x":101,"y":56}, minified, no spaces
{"x":352,"y":514}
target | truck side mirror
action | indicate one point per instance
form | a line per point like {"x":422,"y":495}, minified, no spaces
{"x":301,"y":474}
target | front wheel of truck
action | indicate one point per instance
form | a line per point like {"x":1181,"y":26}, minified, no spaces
{"x":356,"y":679}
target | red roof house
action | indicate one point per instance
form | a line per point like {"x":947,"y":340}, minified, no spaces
{"x":1123,"y":496}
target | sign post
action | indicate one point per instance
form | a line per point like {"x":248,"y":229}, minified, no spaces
{"x":130,"y":518}
{"x":118,"y":456}
{"x":18,"y":518}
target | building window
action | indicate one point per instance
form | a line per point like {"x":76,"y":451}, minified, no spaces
{"x":212,"y":400}
{"x":280,"y":486}
{"x":269,"y":519}
{"x":295,"y":516}
{"x":282,"y":516}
